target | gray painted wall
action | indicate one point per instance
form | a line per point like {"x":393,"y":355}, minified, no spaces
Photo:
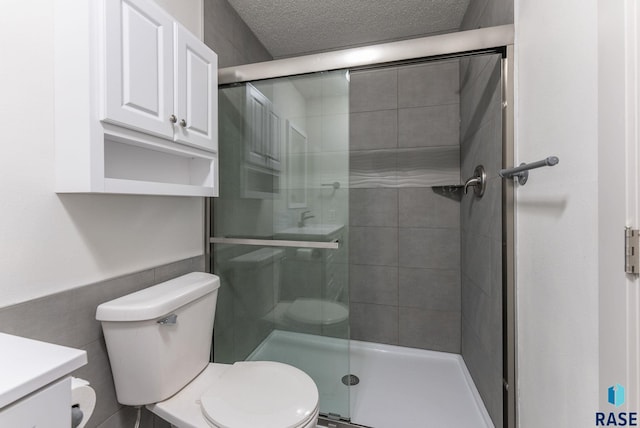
{"x":481,"y":268}
{"x":404,"y":238}
{"x":487,"y":13}
{"x":230,"y":37}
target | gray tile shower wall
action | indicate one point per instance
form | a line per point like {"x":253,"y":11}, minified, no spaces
{"x":68,"y":319}
{"x":480,"y":131}
{"x":481,"y":244}
{"x":404,"y":238}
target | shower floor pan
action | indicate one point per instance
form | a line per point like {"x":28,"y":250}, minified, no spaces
{"x":398,"y":387}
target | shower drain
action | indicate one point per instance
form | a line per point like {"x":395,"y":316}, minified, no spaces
{"x":350,"y":380}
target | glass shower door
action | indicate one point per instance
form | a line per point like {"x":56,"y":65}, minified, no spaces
{"x":280,"y":228}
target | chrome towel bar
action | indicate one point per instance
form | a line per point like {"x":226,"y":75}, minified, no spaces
{"x":330,"y":245}
{"x":522,"y":171}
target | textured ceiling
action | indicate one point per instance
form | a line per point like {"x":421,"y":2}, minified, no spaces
{"x":295,"y":27}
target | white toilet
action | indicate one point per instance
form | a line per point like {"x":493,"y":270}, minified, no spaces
{"x":159,"y":341}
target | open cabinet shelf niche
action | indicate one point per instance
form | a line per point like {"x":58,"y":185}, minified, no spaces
{"x":139,"y":169}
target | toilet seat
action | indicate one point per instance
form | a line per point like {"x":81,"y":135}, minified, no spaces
{"x":185,"y":410}
{"x":261,"y":394}
{"x":316,"y":312}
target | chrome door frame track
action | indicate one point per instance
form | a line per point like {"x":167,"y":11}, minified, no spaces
{"x":325,"y":422}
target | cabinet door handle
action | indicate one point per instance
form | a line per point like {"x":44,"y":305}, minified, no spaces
{"x":183,"y":123}
{"x":173,"y":118}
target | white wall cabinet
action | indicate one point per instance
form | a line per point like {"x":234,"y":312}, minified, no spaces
{"x":274,"y":142}
{"x":136,"y":102}
{"x":139,"y":61}
{"x":256,"y":125}
{"x":263,"y":133}
{"x":196,"y":91}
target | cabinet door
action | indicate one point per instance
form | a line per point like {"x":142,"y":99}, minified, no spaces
{"x":138,"y":66}
{"x":196,"y":92}
{"x":274,"y":142}
{"x":257,"y":126}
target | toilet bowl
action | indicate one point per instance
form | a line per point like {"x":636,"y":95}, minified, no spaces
{"x":159,"y":339}
{"x":311,"y":316}
{"x":316,"y":312}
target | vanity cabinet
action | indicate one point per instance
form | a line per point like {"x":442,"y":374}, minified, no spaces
{"x":48,"y":407}
{"x":136,"y":102}
{"x":36,"y":387}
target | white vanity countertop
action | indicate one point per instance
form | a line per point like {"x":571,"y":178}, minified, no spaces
{"x":317,"y":230}
{"x":27,"y":365}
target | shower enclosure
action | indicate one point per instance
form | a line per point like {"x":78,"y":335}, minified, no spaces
{"x":344,"y":237}
{"x":281,"y":223}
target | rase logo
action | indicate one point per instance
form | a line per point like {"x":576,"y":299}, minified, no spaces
{"x":615,"y":397}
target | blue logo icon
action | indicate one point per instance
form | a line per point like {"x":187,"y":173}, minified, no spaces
{"x":616,"y":395}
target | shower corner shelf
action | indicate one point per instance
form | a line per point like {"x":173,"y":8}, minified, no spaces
{"x":453,"y":191}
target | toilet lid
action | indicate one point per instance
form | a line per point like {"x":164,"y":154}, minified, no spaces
{"x":317,"y":311}
{"x":261,"y":394}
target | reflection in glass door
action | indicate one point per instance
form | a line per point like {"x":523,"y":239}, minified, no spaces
{"x":280,"y":225}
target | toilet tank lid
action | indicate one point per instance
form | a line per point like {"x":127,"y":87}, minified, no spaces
{"x":158,"y":300}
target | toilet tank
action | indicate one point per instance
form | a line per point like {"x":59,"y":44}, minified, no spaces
{"x":159,"y":338}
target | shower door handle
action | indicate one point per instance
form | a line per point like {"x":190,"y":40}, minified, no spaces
{"x":327,"y":245}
